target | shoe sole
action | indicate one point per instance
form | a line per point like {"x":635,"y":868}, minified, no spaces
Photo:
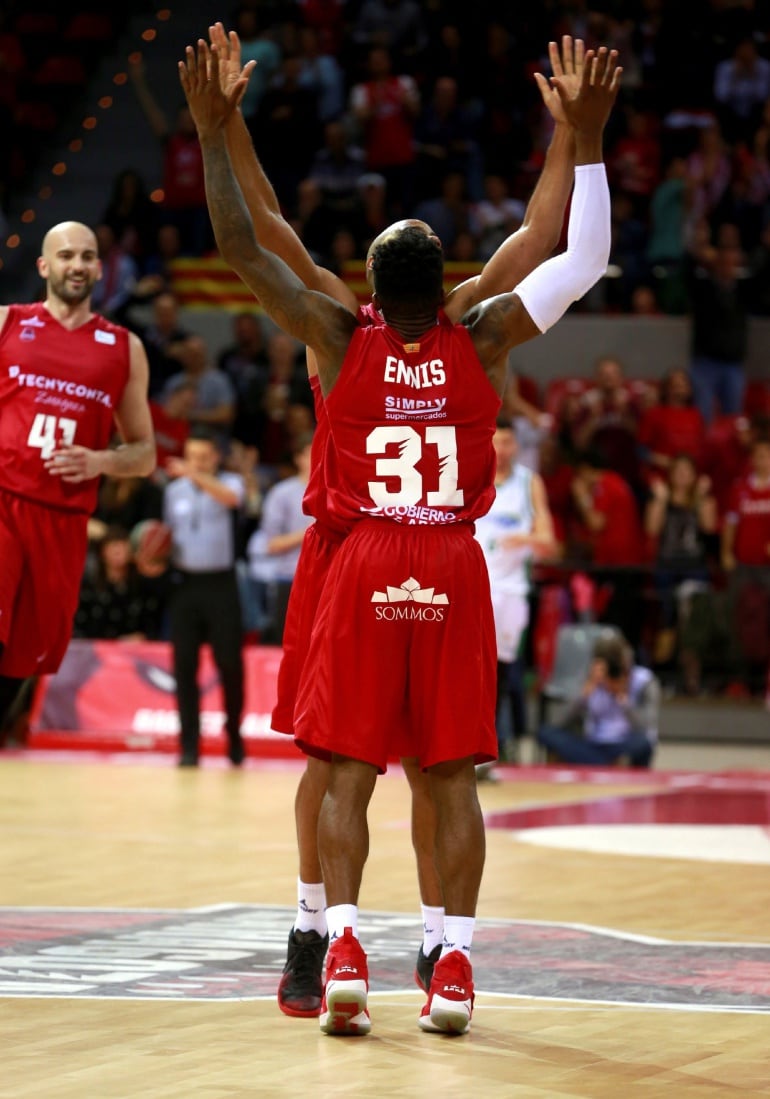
{"x":346,"y":1009}
{"x":446,"y":1017}
{"x":298,"y":1013}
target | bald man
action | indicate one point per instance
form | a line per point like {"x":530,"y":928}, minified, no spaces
{"x":67,"y":377}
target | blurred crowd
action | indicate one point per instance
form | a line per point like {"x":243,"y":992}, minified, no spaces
{"x":366,"y":110}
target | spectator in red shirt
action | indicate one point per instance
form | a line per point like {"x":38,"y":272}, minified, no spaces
{"x":608,"y":527}
{"x":184,"y":190}
{"x":171,"y":421}
{"x":675,"y":426}
{"x":746,"y":558}
{"x":746,"y":530}
{"x":727,"y":453}
{"x":608,"y":420}
{"x":385,"y":107}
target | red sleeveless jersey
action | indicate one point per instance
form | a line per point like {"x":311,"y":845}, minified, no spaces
{"x":56,"y":386}
{"x":412,"y":426}
{"x":322,"y":463}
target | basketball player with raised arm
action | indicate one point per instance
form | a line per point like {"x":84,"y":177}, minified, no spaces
{"x":301,"y":985}
{"x":404,"y":633}
{"x":67,"y":376}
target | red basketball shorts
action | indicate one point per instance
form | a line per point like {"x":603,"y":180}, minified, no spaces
{"x":404,"y":638}
{"x":318,"y":550}
{"x":42,"y":555}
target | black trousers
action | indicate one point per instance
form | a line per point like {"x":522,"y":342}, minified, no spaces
{"x":205,"y":608}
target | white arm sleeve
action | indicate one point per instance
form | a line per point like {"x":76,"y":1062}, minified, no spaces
{"x":551,"y":288}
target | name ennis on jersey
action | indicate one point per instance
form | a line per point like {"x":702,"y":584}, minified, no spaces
{"x":412,"y":426}
{"x":56,"y":386}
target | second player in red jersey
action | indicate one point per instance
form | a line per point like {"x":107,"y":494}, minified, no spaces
{"x":67,"y":377}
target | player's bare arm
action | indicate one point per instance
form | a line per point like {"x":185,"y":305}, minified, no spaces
{"x":135,"y":456}
{"x":313,"y":318}
{"x":539,"y":233}
{"x":537,"y":303}
{"x":272,"y":229}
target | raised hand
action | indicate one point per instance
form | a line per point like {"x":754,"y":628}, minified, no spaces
{"x":588,"y":110}
{"x":228,"y":47}
{"x":568,"y":65}
{"x":200,"y":79}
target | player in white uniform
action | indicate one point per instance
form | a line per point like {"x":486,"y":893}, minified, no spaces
{"x":516,"y":528}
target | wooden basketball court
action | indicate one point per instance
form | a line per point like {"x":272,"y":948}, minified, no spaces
{"x":138,"y":840}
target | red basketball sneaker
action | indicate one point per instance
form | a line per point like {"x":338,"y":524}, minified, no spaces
{"x":343,"y":1008}
{"x":450,"y":999}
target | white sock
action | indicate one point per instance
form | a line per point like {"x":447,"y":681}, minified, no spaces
{"x":458,"y":934}
{"x":311,"y":907}
{"x":432,"y":927}
{"x":340,"y":916}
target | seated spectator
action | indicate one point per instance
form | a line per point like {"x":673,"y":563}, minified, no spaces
{"x":132,"y":215}
{"x":214,"y":394}
{"x":287,"y":385}
{"x":496,"y":216}
{"x":396,"y":25}
{"x":607,"y":530}
{"x":741,"y":87}
{"x":273,"y":549}
{"x":449,"y":213}
{"x":618,"y":708}
{"x":746,"y":558}
{"x":445,"y":136}
{"x":680,"y":520}
{"x":633,"y":165}
{"x":321,"y":74}
{"x":529,"y":422}
{"x":672,"y":427}
{"x":184,"y":191}
{"x":157,"y":272}
{"x":245,"y":363}
{"x":627,"y":254}
{"x":337,"y":169}
{"x":114,"y":291}
{"x":116,"y":603}
{"x":258,"y":43}
{"x":727,"y":453}
{"x":385,"y":107}
{"x":287,"y":131}
{"x":124,"y":502}
{"x":668,"y":214}
{"x":164,"y":339}
{"x":171,"y":422}
{"x":608,"y":420}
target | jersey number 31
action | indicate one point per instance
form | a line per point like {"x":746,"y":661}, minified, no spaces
{"x":404,"y":467}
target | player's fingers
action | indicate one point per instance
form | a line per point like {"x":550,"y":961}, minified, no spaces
{"x":580,"y":52}
{"x":612,"y":61}
{"x":597,"y":66}
{"x":555,"y":59}
{"x":616,"y":78}
{"x":215,"y":66}
{"x":234,"y":43}
{"x":567,"y":55}
{"x":585,"y":79}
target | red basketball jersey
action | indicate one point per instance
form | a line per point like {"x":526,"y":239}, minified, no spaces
{"x":412,"y":426}
{"x":322,"y":462}
{"x":56,"y":386}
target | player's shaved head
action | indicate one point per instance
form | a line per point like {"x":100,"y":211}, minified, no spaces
{"x":396,"y":229}
{"x":68,"y":232}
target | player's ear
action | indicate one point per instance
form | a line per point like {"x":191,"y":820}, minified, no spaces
{"x":42,"y":267}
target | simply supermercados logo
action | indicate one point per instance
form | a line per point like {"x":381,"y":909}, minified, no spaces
{"x":409,"y":603}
